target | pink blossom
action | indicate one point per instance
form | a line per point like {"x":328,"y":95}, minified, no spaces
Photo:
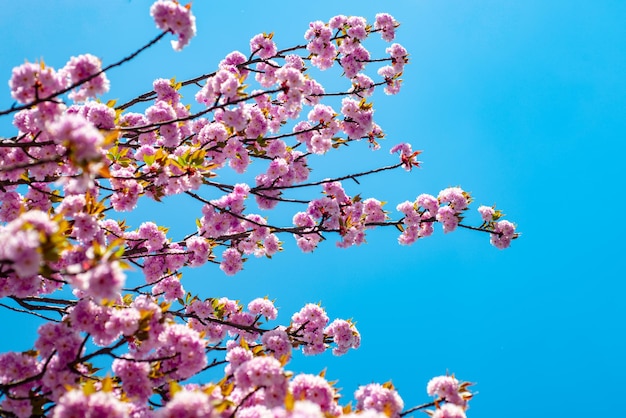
{"x":399,"y":57}
{"x":236,"y":356}
{"x":375,"y":396}
{"x":449,"y":411}
{"x":104,"y":280}
{"x":310,"y":322}
{"x":31,"y":81}
{"x":188,"y":404}
{"x":344,"y":334}
{"x":263,"y":372}
{"x":446,"y":387}
{"x":429,"y":203}
{"x":317,"y":390}
{"x":170,"y":288}
{"x":277,"y":342}
{"x":200,"y":250}
{"x":21,"y":248}
{"x":165,"y":91}
{"x":171,"y":16}
{"x":98,"y":404}
{"x":408,"y":157}
{"x":154,"y":238}
{"x":263,"y":306}
{"x":231,"y":261}
{"x":185,"y":349}
{"x":263,"y":46}
{"x":456,"y":197}
{"x":134,"y":377}
{"x":362,"y":85}
{"x":10,"y":205}
{"x":81,"y":68}
{"x":448,"y":218}
{"x":486,"y":213}
{"x":79,"y":136}
{"x":373,"y":209}
{"x":386,"y":24}
{"x":503,"y":233}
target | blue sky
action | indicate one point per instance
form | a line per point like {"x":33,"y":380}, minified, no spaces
{"x":521,"y":103}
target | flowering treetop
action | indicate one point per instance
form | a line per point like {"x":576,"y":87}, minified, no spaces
{"x":75,"y":161}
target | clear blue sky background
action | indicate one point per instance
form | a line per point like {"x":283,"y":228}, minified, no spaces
{"x":521,"y":103}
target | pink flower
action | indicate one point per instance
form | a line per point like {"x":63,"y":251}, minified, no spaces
{"x":171,"y":16}
{"x":200,"y":250}
{"x":21,"y":248}
{"x":374,"y":212}
{"x":429,"y":203}
{"x":446,"y":387}
{"x":263,"y":46}
{"x":170,"y":288}
{"x":379,"y":398}
{"x":310,"y":322}
{"x":408,"y":157}
{"x":277,"y":342}
{"x":154,"y":238}
{"x":449,"y":411}
{"x":458,"y":199}
{"x":263,"y":306}
{"x":345,"y":336}
{"x":134,"y":376}
{"x":99,"y":404}
{"x":317,"y":390}
{"x":185,"y":349}
{"x":79,"y":69}
{"x":103,"y":281}
{"x":503,"y":233}
{"x":231,"y":261}
{"x":165,"y":91}
{"x":31,"y":81}
{"x":236,"y":356}
{"x":188,"y":404}
{"x":448,"y":218}
{"x":83,"y":141}
{"x":486,"y":213}
{"x":386,"y":24}
{"x":263,"y":372}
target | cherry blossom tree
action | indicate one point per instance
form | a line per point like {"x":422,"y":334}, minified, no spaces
{"x":76,"y":163}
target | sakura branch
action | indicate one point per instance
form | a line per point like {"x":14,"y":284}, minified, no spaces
{"x":75,"y":164}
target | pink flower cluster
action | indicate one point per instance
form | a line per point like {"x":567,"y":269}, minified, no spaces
{"x":32,"y":81}
{"x":351,"y":54}
{"x":86,"y":67}
{"x":455,"y":394}
{"x":265,"y":374}
{"x":420,"y":214}
{"x":503,"y":233}
{"x":391,"y":73}
{"x":379,"y":398}
{"x":16,"y":367}
{"x":75,"y":403}
{"x":171,"y":16}
{"x":337,"y":212}
{"x":448,"y":388}
{"x":387,"y":25}
{"x":81,"y":139}
{"x":183,"y":349}
{"x":344,"y":335}
{"x":315,"y":389}
{"x":407,"y":155}
{"x":22,"y":254}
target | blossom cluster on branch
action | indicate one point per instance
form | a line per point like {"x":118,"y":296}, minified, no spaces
{"x":76,"y":162}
